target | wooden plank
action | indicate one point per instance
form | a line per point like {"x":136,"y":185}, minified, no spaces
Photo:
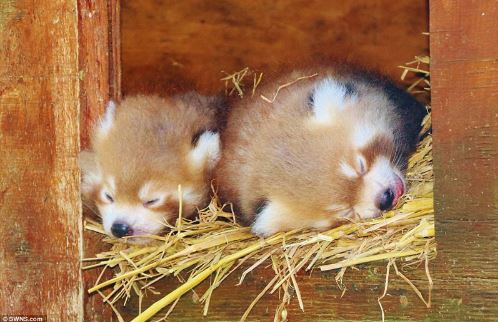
{"x":171,"y":46}
{"x":114,"y":7}
{"x":99,"y":64}
{"x":99,"y":60}
{"x":323,"y":300}
{"x":40,"y":207}
{"x":465,"y":117}
{"x":93,"y":32}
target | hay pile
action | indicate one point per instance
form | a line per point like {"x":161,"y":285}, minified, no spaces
{"x":216,"y":246}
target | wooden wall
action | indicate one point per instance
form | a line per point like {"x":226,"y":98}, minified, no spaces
{"x":464,"y":74}
{"x":170,"y":46}
{"x":40,"y":206}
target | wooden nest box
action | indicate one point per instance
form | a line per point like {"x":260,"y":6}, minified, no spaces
{"x":61,"y":60}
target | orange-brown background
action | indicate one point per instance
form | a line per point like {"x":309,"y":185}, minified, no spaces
{"x":169,"y":46}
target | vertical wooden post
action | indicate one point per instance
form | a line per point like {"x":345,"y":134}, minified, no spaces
{"x":114,"y":8}
{"x":99,"y":60}
{"x":40,"y":210}
{"x":100,"y":71}
{"x":464,"y":74}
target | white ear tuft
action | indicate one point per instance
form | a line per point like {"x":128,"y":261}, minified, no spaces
{"x":108,"y":119}
{"x":348,"y":170}
{"x":206,"y":152}
{"x":329,"y":97}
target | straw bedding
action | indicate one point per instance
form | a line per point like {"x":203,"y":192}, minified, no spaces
{"x":216,"y":246}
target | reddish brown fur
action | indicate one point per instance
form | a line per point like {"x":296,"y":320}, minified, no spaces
{"x":149,"y":141}
{"x":380,"y":145}
{"x":255,"y":125}
{"x":157,"y":150}
{"x":271,"y":152}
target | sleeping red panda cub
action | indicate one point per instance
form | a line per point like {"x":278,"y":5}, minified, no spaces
{"x":142,"y":150}
{"x":328,"y":148}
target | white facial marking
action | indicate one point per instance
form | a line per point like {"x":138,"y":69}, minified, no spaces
{"x":112,"y":184}
{"x":141,"y":220}
{"x":363,"y":134}
{"x":145,"y":190}
{"x":329,"y":98}
{"x":148,"y":193}
{"x":348,"y":170}
{"x":107,"y":121}
{"x":206,"y":151}
{"x":381,"y":176}
{"x":381,"y":172}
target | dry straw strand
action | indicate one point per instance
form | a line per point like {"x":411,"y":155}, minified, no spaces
{"x":284,"y":86}
{"x":235,"y":82}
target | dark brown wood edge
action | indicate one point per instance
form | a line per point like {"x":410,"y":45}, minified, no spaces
{"x":100,"y":80}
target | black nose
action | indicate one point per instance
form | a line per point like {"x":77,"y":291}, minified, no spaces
{"x":120,"y":230}
{"x":386,"y":199}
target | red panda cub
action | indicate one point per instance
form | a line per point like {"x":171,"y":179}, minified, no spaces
{"x":141,"y":151}
{"x":330,"y":147}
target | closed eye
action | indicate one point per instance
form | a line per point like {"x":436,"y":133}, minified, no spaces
{"x":108,"y":197}
{"x":362,"y":165}
{"x":151,"y":202}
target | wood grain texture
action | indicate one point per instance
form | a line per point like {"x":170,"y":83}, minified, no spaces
{"x":114,"y":8}
{"x":94,"y":62}
{"x":321,"y":296}
{"x":40,"y":244}
{"x":170,"y":46}
{"x":465,"y":118}
{"x":98,"y":31}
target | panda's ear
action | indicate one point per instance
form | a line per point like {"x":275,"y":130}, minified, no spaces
{"x":107,"y":119}
{"x":328,"y":98}
{"x":206,"y":150}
